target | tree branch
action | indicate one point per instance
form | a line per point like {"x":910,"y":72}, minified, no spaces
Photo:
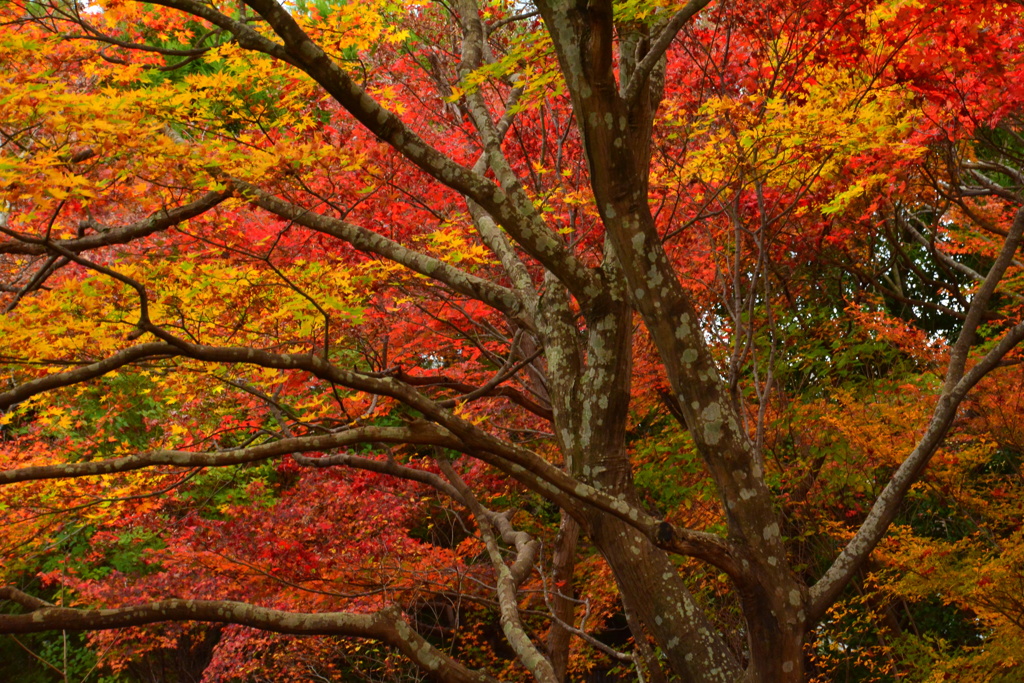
{"x":470,"y":390}
{"x":657,"y":50}
{"x":507,"y":582}
{"x":86,"y":372}
{"x":244,"y":35}
{"x":464,"y":283}
{"x":105,"y":237}
{"x":387,"y":625}
{"x":419,"y":433}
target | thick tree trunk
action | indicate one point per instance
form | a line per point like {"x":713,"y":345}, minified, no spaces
{"x":775,"y":641}
{"x":652,"y":586}
{"x":650,"y":583}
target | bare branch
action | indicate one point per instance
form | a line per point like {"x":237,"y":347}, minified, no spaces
{"x":470,"y":390}
{"x":106,"y":236}
{"x":387,"y":625}
{"x":499,"y":297}
{"x":85,"y":373}
{"x":508,"y":582}
{"x":419,"y":432}
{"x":245,"y":35}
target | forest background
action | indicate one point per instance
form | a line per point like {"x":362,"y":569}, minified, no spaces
{"x":473,"y":341}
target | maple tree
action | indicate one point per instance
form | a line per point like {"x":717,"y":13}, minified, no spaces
{"x":495,"y":340}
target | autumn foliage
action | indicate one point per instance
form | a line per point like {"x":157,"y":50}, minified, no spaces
{"x":557,"y":341}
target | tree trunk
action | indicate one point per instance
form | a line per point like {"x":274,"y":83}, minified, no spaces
{"x":651,"y":584}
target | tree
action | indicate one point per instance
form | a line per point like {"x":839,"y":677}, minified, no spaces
{"x":502,"y":252}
